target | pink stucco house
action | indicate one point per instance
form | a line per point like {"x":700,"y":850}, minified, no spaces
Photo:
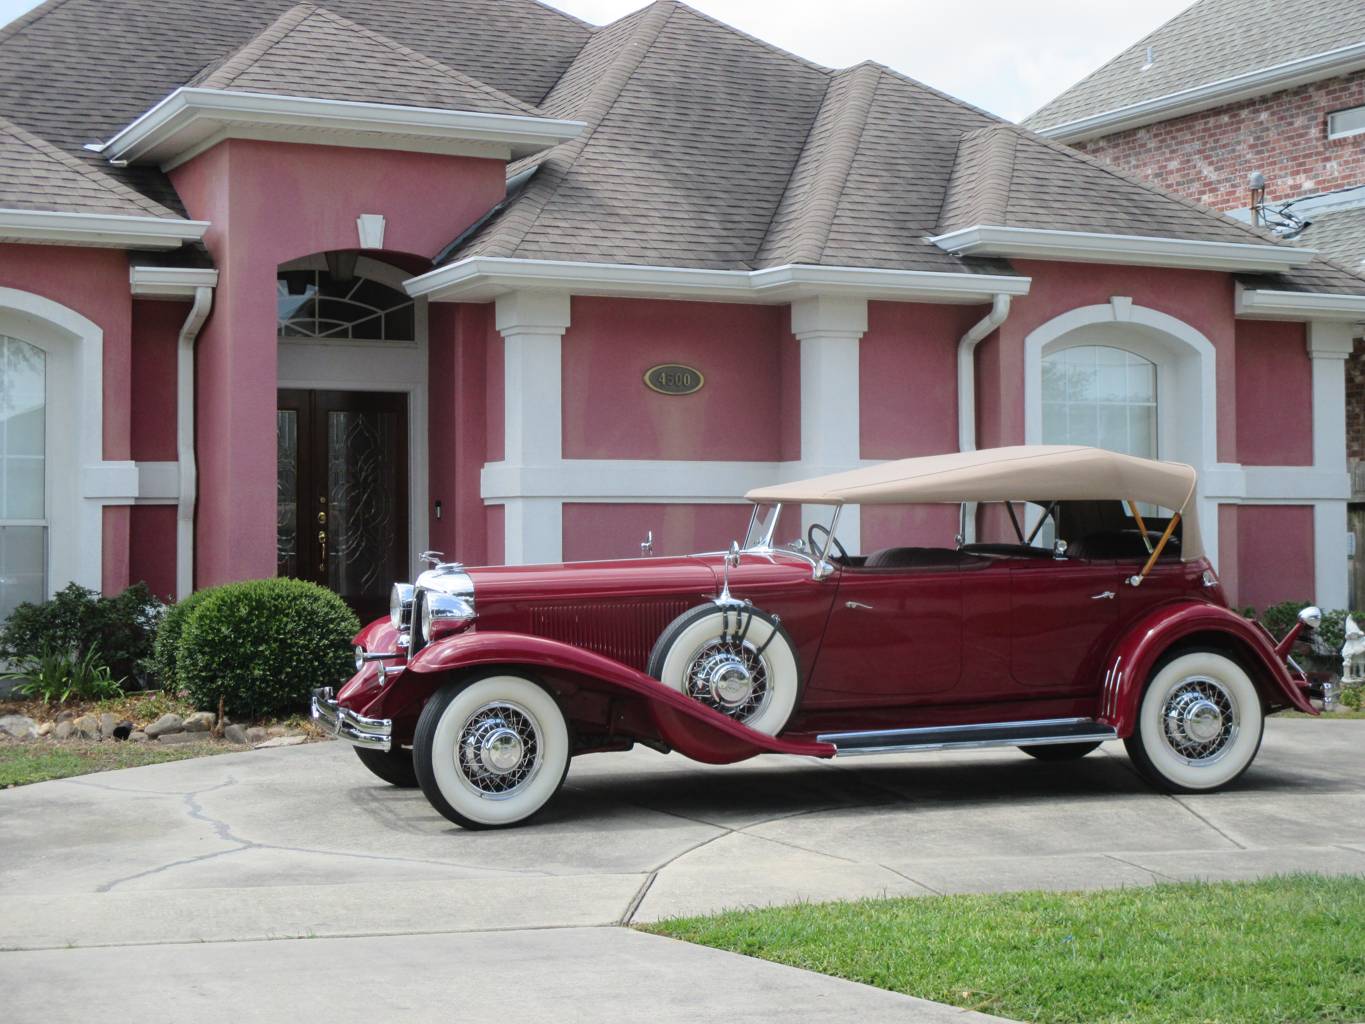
{"x":308,"y":289}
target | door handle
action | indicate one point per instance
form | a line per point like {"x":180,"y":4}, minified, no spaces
{"x":322,"y":544}
{"x":1103,"y":595}
{"x":855,"y":605}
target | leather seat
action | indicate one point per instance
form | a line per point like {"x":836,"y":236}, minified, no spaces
{"x":910,"y":558}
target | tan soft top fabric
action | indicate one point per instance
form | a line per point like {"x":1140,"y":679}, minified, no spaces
{"x":1039,"y":473}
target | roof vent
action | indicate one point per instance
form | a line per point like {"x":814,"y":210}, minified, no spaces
{"x":1151,"y":58}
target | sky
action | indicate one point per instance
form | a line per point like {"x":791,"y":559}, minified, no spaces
{"x":1008,"y":56}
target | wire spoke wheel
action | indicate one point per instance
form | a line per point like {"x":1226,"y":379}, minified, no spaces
{"x":1200,"y":720}
{"x":499,"y":749}
{"x":730,"y":676}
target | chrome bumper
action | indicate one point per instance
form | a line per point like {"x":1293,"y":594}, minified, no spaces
{"x":371,"y":733}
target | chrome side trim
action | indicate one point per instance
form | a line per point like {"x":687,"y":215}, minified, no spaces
{"x":371,"y":733}
{"x":1036,"y":733}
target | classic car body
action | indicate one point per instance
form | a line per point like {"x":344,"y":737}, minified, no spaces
{"x":484,"y":682}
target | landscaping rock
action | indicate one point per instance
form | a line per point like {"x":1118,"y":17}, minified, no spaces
{"x":63,"y":729}
{"x":87,"y":727}
{"x":107,"y":723}
{"x":137,"y":736}
{"x":235,"y":734}
{"x":166,"y":724}
{"x":256,"y":735}
{"x":21,"y":727}
{"x":277,"y":730}
{"x":123,"y":730}
{"x":172,"y":738}
{"x":200,"y":721}
{"x":45,"y":729}
{"x":65,"y":716}
{"x":282,"y":741}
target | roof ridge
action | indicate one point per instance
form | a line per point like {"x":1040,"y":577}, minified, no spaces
{"x":956,"y":101}
{"x":770,"y":47}
{"x":87,"y":171}
{"x":602,"y":97}
{"x":836,"y":161}
{"x":994,"y":177}
{"x":28,"y":18}
{"x":1028,"y":135}
{"x":292,"y":19}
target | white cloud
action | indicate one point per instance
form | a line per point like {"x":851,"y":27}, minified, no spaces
{"x":1009,"y":56}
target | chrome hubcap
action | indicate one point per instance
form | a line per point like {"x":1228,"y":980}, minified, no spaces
{"x":730,"y":676}
{"x":1200,"y":720}
{"x":499,"y":749}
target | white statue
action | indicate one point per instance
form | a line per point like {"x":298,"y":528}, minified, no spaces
{"x":1353,"y":654}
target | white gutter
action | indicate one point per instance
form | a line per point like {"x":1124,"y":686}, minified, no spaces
{"x":1129,"y":250}
{"x":1212,"y":94}
{"x":106,"y":230}
{"x":1267,"y":304}
{"x":966,"y":393}
{"x":198,"y":285}
{"x":479,"y":279}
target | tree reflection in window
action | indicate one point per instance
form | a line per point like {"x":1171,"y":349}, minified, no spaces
{"x":315,"y":304}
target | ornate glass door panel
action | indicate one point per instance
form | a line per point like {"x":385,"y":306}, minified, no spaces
{"x":343,"y":492}
{"x":23,"y":473}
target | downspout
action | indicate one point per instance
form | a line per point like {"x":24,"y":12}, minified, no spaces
{"x":184,"y":441}
{"x":966,"y":393}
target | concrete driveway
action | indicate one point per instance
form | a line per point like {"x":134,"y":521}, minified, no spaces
{"x":304,"y":843}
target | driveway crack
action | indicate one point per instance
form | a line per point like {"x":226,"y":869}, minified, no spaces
{"x":1191,"y":810}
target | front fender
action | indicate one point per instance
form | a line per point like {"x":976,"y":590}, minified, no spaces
{"x":1132,"y":660}
{"x":683,"y":724}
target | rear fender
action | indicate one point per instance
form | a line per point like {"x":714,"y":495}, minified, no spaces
{"x":683,"y":724}
{"x":1130,"y":664}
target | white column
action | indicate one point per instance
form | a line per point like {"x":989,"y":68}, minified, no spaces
{"x":829,"y":330}
{"x":1329,"y":346}
{"x":532,"y":323}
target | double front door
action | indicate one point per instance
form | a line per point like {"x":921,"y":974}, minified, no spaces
{"x":343,"y":492}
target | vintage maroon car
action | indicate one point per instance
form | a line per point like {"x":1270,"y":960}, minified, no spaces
{"x":1075,"y":607}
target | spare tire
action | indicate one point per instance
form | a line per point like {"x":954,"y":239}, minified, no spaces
{"x":736,"y":660}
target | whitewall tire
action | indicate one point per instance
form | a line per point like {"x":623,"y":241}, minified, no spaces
{"x":738,"y":661}
{"x":491,"y":752}
{"x":1199,"y":724}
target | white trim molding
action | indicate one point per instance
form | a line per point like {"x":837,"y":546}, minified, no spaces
{"x":1268,"y":304}
{"x":100,"y":230}
{"x":191,"y":120}
{"x":481,"y":278}
{"x":1257,"y":82}
{"x":170,"y":282}
{"x":1131,"y":250}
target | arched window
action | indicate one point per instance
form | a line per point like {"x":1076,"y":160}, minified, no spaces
{"x":23,"y":472}
{"x":321,"y":304}
{"x":1102,"y":396}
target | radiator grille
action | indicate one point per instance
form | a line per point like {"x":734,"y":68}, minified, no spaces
{"x":623,"y":630}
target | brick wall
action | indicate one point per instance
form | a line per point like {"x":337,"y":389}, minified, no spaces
{"x":1208,"y":155}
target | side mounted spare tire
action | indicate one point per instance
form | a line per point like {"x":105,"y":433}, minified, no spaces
{"x":736,"y":660}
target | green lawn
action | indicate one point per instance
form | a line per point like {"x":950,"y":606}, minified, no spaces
{"x":22,"y":763}
{"x":1280,"y":951}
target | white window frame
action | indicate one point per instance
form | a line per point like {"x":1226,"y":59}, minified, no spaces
{"x":1347,"y":133}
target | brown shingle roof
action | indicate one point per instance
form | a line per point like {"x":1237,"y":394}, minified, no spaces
{"x":1209,"y":42}
{"x":311,"y":51}
{"x":36,"y":175}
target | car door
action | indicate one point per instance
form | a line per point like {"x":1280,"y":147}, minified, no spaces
{"x":1064,"y":614}
{"x":894,"y":637}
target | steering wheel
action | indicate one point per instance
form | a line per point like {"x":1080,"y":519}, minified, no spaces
{"x":816,"y":548}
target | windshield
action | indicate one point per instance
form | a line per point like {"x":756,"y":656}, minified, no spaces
{"x":762,"y":526}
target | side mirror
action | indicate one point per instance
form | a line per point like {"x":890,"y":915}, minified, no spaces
{"x":1311,"y":617}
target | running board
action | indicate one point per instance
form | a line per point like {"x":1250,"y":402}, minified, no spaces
{"x":963,"y":737}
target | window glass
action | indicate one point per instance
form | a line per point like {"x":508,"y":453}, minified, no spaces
{"x":315,"y":304}
{"x":1101,"y":396}
{"x":1346,"y":122}
{"x":23,"y":465}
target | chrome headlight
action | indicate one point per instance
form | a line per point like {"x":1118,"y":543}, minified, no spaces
{"x":400,"y":606}
{"x":359,"y":657}
{"x":443,"y":614}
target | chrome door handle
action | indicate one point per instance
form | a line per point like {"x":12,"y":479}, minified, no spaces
{"x":855,"y":605}
{"x":1104,"y":595}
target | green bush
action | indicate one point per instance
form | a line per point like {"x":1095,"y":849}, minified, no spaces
{"x":59,"y":676}
{"x":1326,"y":640}
{"x":78,"y":621}
{"x":263,"y":645}
{"x":167,"y":646}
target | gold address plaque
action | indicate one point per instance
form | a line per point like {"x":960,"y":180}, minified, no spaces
{"x":674,"y":379}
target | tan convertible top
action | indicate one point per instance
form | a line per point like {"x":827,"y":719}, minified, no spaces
{"x":1039,"y":473}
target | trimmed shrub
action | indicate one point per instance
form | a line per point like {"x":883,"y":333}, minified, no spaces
{"x":263,"y":646}
{"x":167,"y":647}
{"x":78,"y":622}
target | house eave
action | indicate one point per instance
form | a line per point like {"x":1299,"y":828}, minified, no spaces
{"x":480,"y":279}
{"x":100,"y":230}
{"x":190,"y":120}
{"x":1259,"y":82}
{"x":1130,"y":250}
{"x":1269,"y":304}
